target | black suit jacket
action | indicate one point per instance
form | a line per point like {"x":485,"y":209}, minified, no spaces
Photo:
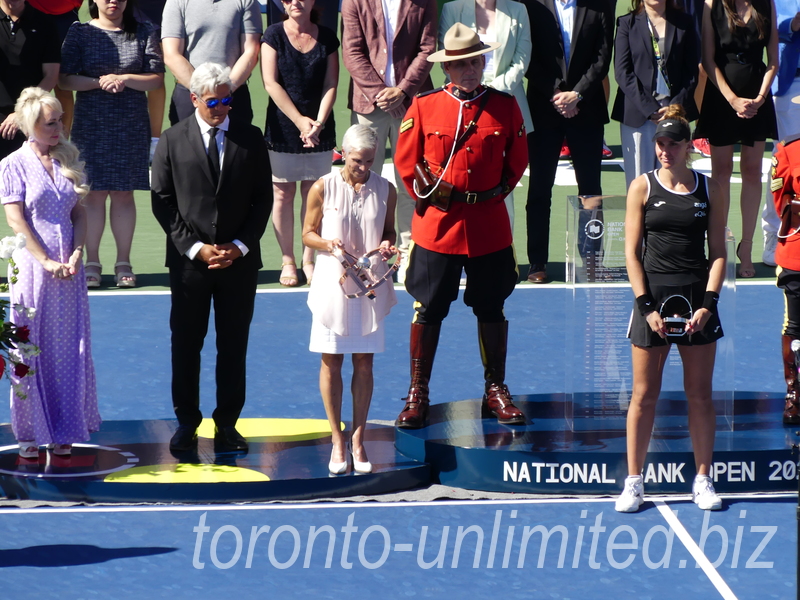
{"x":634,"y":66}
{"x":190,"y":208}
{"x":590,"y":57}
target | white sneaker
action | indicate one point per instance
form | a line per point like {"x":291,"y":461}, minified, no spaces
{"x":704,"y":495}
{"x":770,"y":243}
{"x":632,"y":495}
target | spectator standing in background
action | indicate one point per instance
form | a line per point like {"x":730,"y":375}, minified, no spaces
{"x":150,"y":11}
{"x":111,"y":61}
{"x":300,"y":69}
{"x":385,"y":48}
{"x":570,"y":57}
{"x":29,"y":57}
{"x":226,"y":32}
{"x":785,"y":87}
{"x":655,"y":65}
{"x":62,"y":14}
{"x":737,"y":104}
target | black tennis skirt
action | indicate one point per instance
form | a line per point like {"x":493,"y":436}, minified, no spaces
{"x":639,"y":331}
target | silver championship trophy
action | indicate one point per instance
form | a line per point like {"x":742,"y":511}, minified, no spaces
{"x":676,"y":312}
{"x":359,"y":270}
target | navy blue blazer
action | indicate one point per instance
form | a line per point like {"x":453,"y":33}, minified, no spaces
{"x":634,"y":66}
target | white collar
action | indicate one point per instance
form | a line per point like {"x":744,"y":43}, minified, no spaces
{"x":205,"y":127}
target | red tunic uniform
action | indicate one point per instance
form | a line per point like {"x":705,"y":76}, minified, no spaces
{"x":786,"y":181}
{"x":495,"y":149}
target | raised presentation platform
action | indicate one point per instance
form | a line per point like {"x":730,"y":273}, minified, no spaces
{"x":130,"y":461}
{"x":547,"y":457}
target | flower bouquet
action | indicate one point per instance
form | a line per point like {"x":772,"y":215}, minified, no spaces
{"x":15,"y":345}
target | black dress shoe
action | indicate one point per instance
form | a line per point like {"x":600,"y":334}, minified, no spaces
{"x":184,"y":439}
{"x":227,"y":439}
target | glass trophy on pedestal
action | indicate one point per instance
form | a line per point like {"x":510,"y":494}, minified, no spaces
{"x":599,"y":304}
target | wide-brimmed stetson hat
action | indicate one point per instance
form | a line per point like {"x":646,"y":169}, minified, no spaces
{"x":461,"y":42}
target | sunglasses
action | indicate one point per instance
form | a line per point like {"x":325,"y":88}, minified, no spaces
{"x":214,"y":102}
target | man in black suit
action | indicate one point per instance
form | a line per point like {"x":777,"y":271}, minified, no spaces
{"x":212,"y":194}
{"x":566,"y":98}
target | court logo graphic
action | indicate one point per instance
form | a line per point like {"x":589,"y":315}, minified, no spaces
{"x":594,"y":229}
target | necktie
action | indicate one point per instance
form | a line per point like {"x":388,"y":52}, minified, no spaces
{"x":213,"y":154}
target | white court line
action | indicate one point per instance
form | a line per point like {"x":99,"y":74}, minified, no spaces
{"x":711,"y":572}
{"x":370,"y":504}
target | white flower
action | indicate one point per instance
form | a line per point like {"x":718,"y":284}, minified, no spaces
{"x":23,"y":351}
{"x":27,"y":349}
{"x":24,"y":310}
{"x":7,"y":247}
{"x":10,"y":243}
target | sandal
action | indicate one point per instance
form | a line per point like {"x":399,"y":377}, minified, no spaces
{"x":288,"y":277}
{"x":124,"y":279}
{"x":93,"y":279}
{"x":746,"y":269}
{"x":60,"y":449}
{"x":28,"y":450}
{"x":308,"y":270}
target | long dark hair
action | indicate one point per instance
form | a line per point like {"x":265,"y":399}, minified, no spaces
{"x":129,"y":22}
{"x":734,"y":20}
{"x":637,"y":6}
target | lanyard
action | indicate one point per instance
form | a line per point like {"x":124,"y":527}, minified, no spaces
{"x":660,"y":60}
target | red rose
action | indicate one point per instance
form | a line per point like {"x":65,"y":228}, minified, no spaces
{"x":23,"y":333}
{"x":2,"y":366}
{"x":20,"y":370}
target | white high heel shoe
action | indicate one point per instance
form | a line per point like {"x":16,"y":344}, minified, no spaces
{"x":361,"y":467}
{"x":337,"y":468}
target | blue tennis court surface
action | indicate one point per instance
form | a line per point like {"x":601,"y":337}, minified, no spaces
{"x":131,"y":341}
{"x":524,"y":549}
{"x":576,"y":549}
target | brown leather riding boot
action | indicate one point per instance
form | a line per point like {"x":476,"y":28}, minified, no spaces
{"x":497,"y":402}
{"x":424,"y":340}
{"x":791,"y":412}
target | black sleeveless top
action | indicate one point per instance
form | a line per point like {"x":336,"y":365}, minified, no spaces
{"x":675,"y":226}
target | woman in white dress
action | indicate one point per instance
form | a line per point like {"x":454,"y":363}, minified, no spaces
{"x":352,"y":210}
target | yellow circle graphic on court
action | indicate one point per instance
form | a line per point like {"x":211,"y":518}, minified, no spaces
{"x":274,"y":430}
{"x":187,"y":473}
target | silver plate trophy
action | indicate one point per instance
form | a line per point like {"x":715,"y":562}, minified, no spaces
{"x":676,"y":312}
{"x":359,"y":270}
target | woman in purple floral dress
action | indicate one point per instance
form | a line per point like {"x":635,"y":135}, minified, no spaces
{"x":40,"y":188}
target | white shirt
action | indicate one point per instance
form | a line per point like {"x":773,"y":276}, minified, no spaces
{"x":489,"y":38}
{"x":205,"y":133}
{"x":566,"y":17}
{"x":391,"y":10}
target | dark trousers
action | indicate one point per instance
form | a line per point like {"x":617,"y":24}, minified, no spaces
{"x":789,"y":282}
{"x":432,"y":279}
{"x":233,"y":293}
{"x":181,"y":105}
{"x":544,"y":145}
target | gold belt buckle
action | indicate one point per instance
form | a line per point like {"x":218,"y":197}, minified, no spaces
{"x":472,"y":197}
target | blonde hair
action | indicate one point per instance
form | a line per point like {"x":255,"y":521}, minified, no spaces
{"x":28,"y":111}
{"x":675,"y":112}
